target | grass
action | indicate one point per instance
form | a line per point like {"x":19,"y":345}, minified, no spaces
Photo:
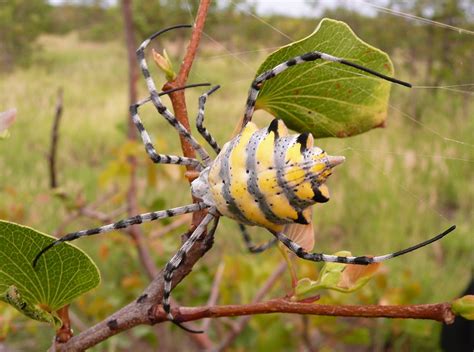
{"x":399,"y":185}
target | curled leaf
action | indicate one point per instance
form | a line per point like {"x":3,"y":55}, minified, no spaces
{"x":303,"y":234}
{"x":6,"y":120}
{"x":15,"y":299}
{"x":356,"y":276}
{"x":464,"y":307}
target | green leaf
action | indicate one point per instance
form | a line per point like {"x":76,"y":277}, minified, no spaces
{"x":326,"y":98}
{"x":464,"y":307}
{"x":338,"y":277}
{"x":60,"y":276}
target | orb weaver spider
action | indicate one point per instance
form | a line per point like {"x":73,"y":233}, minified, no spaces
{"x":262,"y":177}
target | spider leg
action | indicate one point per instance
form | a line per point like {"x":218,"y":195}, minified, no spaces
{"x":178,"y":258}
{"x":137,"y":219}
{"x":363,"y":260}
{"x":252,"y":248}
{"x":150,"y":149}
{"x":200,"y":119}
{"x":160,"y":107}
{"x":311,"y":56}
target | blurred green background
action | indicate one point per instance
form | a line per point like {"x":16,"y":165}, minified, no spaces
{"x":400,"y":184}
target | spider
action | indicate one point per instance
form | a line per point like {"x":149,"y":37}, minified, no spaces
{"x":262,"y":177}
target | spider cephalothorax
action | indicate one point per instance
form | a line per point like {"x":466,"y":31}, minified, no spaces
{"x":261,"y":177}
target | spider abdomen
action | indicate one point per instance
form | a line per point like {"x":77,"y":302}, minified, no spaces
{"x":268,"y":178}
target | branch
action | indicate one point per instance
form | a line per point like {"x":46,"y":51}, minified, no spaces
{"x":439,"y":312}
{"x":137,"y":312}
{"x":182,"y":220}
{"x":214,"y":296}
{"x":177,"y":98}
{"x":53,"y":182}
{"x":142,"y":312}
{"x":243,"y":321}
{"x":65,"y":332}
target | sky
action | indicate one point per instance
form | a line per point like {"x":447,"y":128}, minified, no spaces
{"x":300,"y":8}
{"x":295,"y":8}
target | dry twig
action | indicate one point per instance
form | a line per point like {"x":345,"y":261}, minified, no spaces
{"x":53,"y":180}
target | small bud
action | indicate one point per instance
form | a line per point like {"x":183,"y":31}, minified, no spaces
{"x":164,"y":63}
{"x":464,"y":307}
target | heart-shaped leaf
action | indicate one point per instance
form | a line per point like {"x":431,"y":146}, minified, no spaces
{"x":60,"y":276}
{"x":328,"y":99}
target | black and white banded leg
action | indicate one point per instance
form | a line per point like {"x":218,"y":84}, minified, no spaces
{"x":179,"y":257}
{"x":137,"y":219}
{"x":155,"y":98}
{"x":200,"y":120}
{"x":253,"y":248}
{"x":150,"y":149}
{"x":362,"y":260}
{"x":311,"y":56}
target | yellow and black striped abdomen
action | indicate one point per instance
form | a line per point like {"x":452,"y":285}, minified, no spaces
{"x":268,"y":178}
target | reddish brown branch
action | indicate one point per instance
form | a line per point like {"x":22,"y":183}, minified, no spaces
{"x":440,"y":312}
{"x":65,"y":332}
{"x":140,"y":312}
{"x":177,"y":98}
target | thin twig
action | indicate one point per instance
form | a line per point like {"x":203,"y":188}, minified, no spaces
{"x":182,"y":220}
{"x":54,"y":140}
{"x":132,"y":203}
{"x":243,"y":321}
{"x":214,"y":296}
{"x":77,"y":322}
